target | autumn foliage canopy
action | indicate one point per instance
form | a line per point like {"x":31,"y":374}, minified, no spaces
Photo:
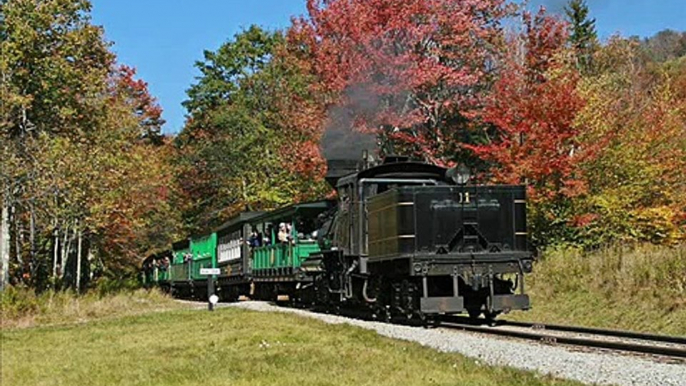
{"x":597,"y":132}
{"x":523,"y":98}
{"x":408,"y":71}
{"x":446,"y":82}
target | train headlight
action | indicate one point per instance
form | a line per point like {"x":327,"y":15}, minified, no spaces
{"x":460,"y":174}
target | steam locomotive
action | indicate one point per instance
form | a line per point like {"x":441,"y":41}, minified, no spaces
{"x":403,"y":239}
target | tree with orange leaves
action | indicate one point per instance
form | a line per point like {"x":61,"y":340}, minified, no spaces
{"x":80,"y":182}
{"x":637,"y":177}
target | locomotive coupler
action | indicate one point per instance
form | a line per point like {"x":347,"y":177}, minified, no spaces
{"x":476,"y":282}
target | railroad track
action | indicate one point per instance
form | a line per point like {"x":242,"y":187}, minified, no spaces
{"x":618,"y":340}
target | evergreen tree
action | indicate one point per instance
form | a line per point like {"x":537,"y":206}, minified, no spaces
{"x":583,"y":36}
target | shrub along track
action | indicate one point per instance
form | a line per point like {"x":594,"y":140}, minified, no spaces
{"x":616,"y":340}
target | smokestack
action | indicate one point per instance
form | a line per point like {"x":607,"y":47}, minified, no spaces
{"x":337,"y":168}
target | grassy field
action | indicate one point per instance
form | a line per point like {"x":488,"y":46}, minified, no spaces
{"x":23,"y":308}
{"x":143,"y":338}
{"x":641,"y":288}
{"x":233,"y":347}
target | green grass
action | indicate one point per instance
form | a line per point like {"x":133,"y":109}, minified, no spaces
{"x":233,"y":347}
{"x":639,"y":288}
{"x":21,"y":307}
{"x":60,"y":339}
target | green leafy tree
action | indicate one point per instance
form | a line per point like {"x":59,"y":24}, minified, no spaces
{"x":53,"y":70}
{"x":54,"y":66}
{"x":225,"y":70}
{"x":236,"y":146}
{"x":83,"y":169}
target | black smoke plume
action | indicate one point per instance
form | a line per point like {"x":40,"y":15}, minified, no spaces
{"x":341,"y":141}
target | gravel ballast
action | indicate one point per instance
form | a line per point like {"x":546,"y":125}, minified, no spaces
{"x":588,"y":367}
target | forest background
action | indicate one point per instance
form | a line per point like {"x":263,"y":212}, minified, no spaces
{"x":90,"y":186}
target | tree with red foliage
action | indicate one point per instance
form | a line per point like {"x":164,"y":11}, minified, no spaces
{"x":406,"y":70}
{"x":532,"y":106}
{"x":135,"y":94}
{"x":529,"y":125}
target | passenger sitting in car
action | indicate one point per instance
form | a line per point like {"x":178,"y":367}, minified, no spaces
{"x":254,"y":239}
{"x":268,"y":236}
{"x":289,"y":233}
{"x":282,"y":236}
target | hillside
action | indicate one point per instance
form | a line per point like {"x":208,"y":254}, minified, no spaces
{"x":641,"y":288}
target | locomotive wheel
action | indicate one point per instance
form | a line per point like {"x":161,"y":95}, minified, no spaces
{"x":490,"y":317}
{"x":431,"y":321}
{"x":386,"y":316}
{"x":474,"y":313}
{"x":382,"y":314}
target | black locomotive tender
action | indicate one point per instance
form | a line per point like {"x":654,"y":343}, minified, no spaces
{"x":405,"y":239}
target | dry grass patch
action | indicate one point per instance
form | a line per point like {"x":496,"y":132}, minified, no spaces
{"x":21,"y":308}
{"x":640,"y":288}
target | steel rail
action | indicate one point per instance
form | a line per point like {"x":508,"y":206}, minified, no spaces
{"x":577,"y":329}
{"x":677,"y":352}
{"x":599,"y":331}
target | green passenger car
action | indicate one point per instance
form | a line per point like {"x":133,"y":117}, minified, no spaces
{"x":204,"y":254}
{"x":283,"y":255}
{"x":273,"y":258}
{"x":156,"y":269}
{"x":180,"y":266}
{"x":233,"y":247}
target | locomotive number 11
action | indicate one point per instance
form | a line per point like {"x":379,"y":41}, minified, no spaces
{"x":464,"y":198}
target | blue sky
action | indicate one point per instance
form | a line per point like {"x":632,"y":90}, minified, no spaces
{"x":164,"y":38}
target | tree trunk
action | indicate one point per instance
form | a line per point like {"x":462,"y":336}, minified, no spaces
{"x":18,"y":239}
{"x":4,"y":245}
{"x":32,"y":238}
{"x":91,"y":261}
{"x":244,"y":193}
{"x":78,"y":260}
{"x":65,"y":252}
{"x":55,"y":256}
{"x":70,"y":245}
